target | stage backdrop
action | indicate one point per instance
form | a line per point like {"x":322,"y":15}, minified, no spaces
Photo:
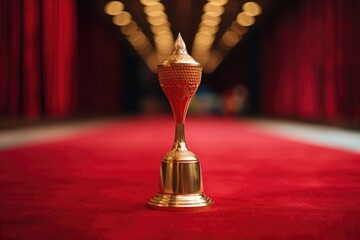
{"x":37,"y":57}
{"x":58,"y":59}
{"x":311,"y":61}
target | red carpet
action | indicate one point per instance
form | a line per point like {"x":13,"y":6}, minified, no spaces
{"x":95,"y":185}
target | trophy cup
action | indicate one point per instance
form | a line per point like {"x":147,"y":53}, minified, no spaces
{"x":180,"y":172}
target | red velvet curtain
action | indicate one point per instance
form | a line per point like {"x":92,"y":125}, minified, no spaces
{"x":37,"y":56}
{"x":311,"y":62}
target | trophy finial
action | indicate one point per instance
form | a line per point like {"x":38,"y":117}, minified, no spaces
{"x":179,"y":46}
{"x":179,"y":54}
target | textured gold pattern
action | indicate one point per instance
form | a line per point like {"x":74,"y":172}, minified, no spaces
{"x":180,"y":172}
{"x":179,"y":83}
{"x":179,"y":74}
{"x":180,"y":155}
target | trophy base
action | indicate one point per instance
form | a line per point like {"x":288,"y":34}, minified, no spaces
{"x":179,"y":201}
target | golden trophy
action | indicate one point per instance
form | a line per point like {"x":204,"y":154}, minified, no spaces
{"x":180,"y":172}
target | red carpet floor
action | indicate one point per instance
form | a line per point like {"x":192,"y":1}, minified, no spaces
{"x":95,"y":185}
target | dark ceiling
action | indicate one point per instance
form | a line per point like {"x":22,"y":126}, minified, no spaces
{"x":184,"y":17}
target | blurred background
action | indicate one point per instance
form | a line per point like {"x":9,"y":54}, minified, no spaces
{"x":69,"y":59}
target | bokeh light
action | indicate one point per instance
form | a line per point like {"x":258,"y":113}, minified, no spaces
{"x":122,"y":19}
{"x":252,"y":8}
{"x":244,"y":19}
{"x":114,"y":8}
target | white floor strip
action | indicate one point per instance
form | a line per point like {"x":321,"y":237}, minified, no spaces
{"x":320,"y":135}
{"x":23,"y":136}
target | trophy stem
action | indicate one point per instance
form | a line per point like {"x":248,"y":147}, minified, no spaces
{"x":179,"y":141}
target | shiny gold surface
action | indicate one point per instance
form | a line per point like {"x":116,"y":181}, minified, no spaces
{"x":180,"y":172}
{"x":180,"y":55}
{"x":161,"y":200}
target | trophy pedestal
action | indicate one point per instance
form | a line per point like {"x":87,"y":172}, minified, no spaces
{"x":180,"y":182}
{"x":162,"y":200}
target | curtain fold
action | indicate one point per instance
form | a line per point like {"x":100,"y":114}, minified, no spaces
{"x":310,"y":66}
{"x":31,"y":58}
{"x":59,"y":52}
{"x":37,"y":54}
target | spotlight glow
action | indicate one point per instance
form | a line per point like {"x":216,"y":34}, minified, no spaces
{"x":252,"y":8}
{"x":154,"y":10}
{"x":236,"y":27}
{"x":157,"y":21}
{"x":130,"y":28}
{"x":122,"y":19}
{"x":208,"y":29}
{"x":213,"y":10}
{"x":149,"y":2}
{"x":230,"y":38}
{"x":218,"y":2}
{"x":114,"y":8}
{"x":244,"y":19}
